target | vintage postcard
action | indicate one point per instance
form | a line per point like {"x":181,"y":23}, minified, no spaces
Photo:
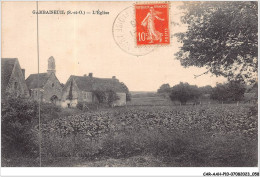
{"x":130,"y":84}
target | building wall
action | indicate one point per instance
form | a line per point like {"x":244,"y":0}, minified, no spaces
{"x":17,"y":85}
{"x":76,"y":94}
{"x":34,"y":94}
{"x":51,"y":88}
{"x":69,"y":103}
{"x":86,"y":97}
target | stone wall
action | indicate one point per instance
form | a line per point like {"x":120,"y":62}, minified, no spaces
{"x":51,"y":88}
{"x":86,"y":97}
{"x":76,"y":94}
{"x":69,"y":103}
{"x":17,"y":85}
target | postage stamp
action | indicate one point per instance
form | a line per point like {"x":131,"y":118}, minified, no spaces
{"x":152,"y":24}
{"x":124,"y":32}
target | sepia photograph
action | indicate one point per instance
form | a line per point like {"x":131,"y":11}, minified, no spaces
{"x":129,"y":84}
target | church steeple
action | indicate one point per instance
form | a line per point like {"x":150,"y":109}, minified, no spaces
{"x":51,"y":65}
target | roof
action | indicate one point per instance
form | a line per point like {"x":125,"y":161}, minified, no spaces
{"x":87,"y":83}
{"x":7,"y":66}
{"x":32,"y":80}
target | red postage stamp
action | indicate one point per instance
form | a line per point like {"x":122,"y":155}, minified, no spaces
{"x":152,"y":24}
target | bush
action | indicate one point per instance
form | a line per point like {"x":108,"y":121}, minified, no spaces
{"x":19,"y":116}
{"x":165,"y":88}
{"x":49,"y":112}
{"x":108,"y":97}
{"x":80,"y":106}
{"x":90,"y":106}
{"x":112,"y":97}
{"x":230,"y":92}
{"x":184,"y":92}
{"x":20,"y":119}
{"x":100,"y":95}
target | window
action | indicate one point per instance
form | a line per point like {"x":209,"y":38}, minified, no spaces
{"x":52,"y":84}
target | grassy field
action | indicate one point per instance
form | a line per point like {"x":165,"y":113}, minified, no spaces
{"x":153,"y":133}
{"x":150,"y":101}
{"x":153,"y":99}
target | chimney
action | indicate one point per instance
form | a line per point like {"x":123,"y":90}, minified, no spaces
{"x":90,"y":74}
{"x":85,"y":75}
{"x":113,"y":77}
{"x":23,"y":71}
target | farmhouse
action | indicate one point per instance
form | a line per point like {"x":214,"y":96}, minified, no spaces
{"x":13,"y":78}
{"x":81,"y":89}
{"x":48,"y":89}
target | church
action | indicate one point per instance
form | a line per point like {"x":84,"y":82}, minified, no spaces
{"x":49,"y":88}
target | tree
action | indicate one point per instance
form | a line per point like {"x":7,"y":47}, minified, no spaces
{"x":221,"y":36}
{"x":231,"y":91}
{"x":100,"y":95}
{"x":18,"y":117}
{"x":128,"y":94}
{"x":108,"y":97}
{"x":184,"y":92}
{"x":165,"y":88}
{"x":112,"y":97}
{"x":206,"y":89}
{"x":70,"y":96}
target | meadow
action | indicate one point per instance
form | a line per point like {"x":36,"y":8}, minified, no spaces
{"x":174,"y":136}
{"x":156,"y":134}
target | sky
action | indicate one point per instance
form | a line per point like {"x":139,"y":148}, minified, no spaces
{"x":83,"y":44}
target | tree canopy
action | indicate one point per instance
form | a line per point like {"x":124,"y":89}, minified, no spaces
{"x":184,"y":92}
{"x":128,"y":94}
{"x":221,"y":36}
{"x":232,"y":91}
{"x":164,"y":88}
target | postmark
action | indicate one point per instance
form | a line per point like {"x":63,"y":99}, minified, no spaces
{"x":124,"y":32}
{"x":152,"y":24}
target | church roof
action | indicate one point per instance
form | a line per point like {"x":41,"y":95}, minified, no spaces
{"x":87,"y":83}
{"x":7,"y":66}
{"x":32,"y":80}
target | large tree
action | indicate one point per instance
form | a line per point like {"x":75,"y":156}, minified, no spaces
{"x":231,"y":91}
{"x":183,"y":92}
{"x":221,"y":36}
{"x":164,"y":88}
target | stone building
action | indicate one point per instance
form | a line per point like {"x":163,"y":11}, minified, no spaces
{"x":80,"y":89}
{"x":12,"y":78}
{"x":48,"y":89}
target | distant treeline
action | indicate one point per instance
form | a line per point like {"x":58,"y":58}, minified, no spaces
{"x":229,"y":92}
